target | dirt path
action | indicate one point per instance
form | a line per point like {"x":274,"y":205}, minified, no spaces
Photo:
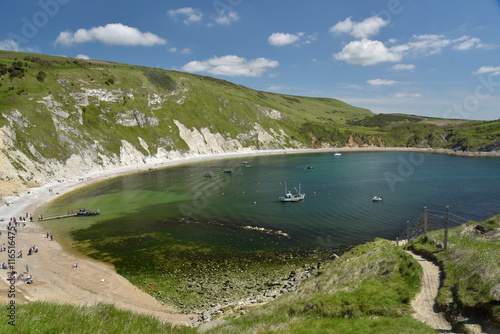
{"x":425,"y":300}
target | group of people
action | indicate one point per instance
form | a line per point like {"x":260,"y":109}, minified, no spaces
{"x":28,"y":279}
{"x":33,"y":249}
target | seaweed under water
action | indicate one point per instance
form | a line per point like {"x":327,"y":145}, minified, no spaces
{"x":196,"y":265}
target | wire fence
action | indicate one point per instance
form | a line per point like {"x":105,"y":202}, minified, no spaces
{"x":431,"y":220}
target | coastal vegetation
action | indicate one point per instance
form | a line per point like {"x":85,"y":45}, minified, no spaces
{"x":471,"y":265}
{"x":367,"y":289}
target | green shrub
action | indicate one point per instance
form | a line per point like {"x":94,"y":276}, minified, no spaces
{"x":41,"y":76}
{"x":160,"y":79}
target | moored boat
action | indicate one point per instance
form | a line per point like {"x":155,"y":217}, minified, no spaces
{"x":377,"y":198}
{"x":288,"y":196}
{"x":85,"y":212}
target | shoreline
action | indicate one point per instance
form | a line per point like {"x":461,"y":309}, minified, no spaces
{"x":96,"y":282}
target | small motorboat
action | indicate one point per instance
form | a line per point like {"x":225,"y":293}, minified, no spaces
{"x":377,"y":198}
{"x":337,"y":154}
{"x":85,"y":212}
{"x":208,"y":174}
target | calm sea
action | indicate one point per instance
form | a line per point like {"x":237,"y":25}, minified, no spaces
{"x":337,"y":210}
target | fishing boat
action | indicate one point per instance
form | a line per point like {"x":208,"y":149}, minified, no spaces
{"x":288,"y":196}
{"x":377,"y":198}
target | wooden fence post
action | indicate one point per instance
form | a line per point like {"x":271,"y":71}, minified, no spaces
{"x":425,"y":220}
{"x":407,"y":231}
{"x":447,"y":217}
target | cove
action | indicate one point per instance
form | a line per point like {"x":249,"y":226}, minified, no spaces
{"x":176,"y":233}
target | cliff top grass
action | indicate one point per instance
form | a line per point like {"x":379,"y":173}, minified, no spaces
{"x":366,"y":290}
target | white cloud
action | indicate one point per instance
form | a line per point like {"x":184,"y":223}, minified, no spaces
{"x":274,"y":88}
{"x":227,"y":18}
{"x":427,"y":44}
{"x":488,"y":69}
{"x":184,"y":51}
{"x":82,"y":56}
{"x":405,"y":95}
{"x":10,"y":45}
{"x":280,"y":39}
{"x":369,"y":27}
{"x":382,"y":82}
{"x":231,"y":66}
{"x":192,"y":14}
{"x":366,"y":52}
{"x":466,"y":43}
{"x":111,"y":34}
{"x":403,"y":67}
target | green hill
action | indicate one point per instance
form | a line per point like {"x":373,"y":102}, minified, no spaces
{"x":62,"y":117}
{"x":58,"y":112}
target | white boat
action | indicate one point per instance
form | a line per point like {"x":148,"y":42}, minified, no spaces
{"x":289,"y":197}
{"x":377,"y":198}
{"x":337,"y":154}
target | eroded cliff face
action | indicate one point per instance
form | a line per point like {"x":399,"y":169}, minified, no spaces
{"x":143,"y":134}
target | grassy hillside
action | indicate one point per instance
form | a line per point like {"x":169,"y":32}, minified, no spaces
{"x":471,"y":263}
{"x":195,"y":101}
{"x":367,"y":290}
{"x":57,"y":113}
{"x":102,"y":114}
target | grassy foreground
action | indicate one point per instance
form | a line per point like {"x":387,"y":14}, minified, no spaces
{"x":366,"y":290}
{"x":471,"y":264}
{"x":41,"y":317}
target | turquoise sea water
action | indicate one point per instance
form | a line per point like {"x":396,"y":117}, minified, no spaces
{"x":336,"y":212}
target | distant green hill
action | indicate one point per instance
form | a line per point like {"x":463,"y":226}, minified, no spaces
{"x":60,"y":117}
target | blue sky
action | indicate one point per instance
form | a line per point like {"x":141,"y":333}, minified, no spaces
{"x":429,"y":58}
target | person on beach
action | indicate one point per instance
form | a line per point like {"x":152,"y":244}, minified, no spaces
{"x":20,"y":254}
{"x":51,"y":237}
{"x":47,"y":235}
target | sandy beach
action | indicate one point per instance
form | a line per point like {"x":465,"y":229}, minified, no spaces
{"x":93,"y":282}
{"x":52,"y":267}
